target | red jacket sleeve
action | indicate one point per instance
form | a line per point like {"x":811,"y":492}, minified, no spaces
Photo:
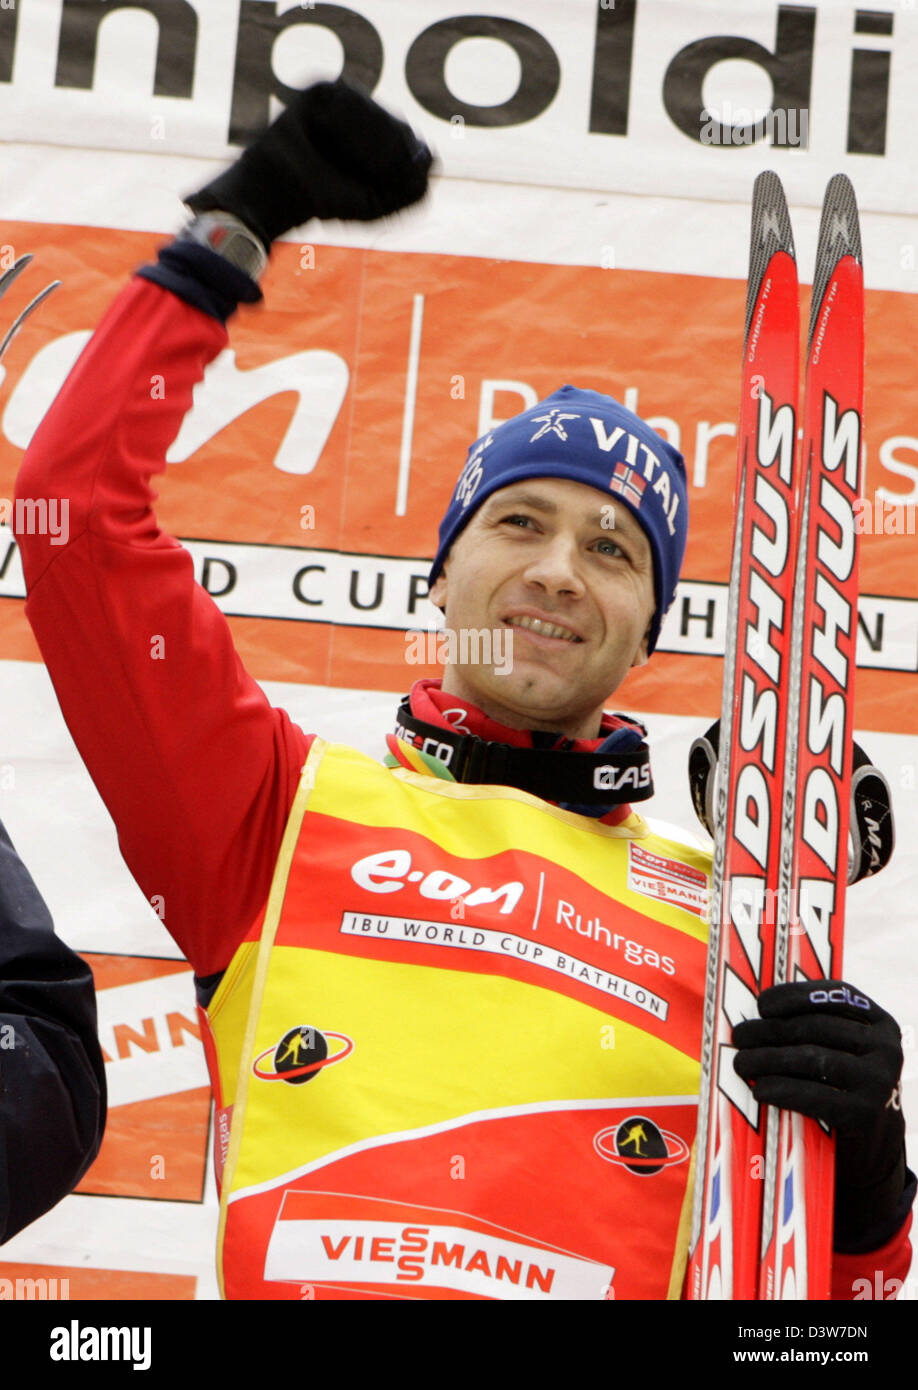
{"x":195,"y":766}
{"x":877,"y":1275}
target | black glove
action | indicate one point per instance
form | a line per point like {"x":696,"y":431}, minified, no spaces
{"x":334,"y":152}
{"x":822,"y":1048}
{"x":871,"y":830}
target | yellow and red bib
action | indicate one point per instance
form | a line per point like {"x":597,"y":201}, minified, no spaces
{"x":463,"y":1055}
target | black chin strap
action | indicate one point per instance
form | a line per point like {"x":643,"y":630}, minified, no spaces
{"x":588,"y":779}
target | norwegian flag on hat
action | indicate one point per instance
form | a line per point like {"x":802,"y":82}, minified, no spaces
{"x":629,"y":484}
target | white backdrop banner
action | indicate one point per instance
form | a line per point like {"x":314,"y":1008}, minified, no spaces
{"x":648,"y":96}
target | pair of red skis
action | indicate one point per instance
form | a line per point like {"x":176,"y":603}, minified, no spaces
{"x":762,"y":1217}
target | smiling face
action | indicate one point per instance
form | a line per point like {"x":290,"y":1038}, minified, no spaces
{"x":540,"y":557}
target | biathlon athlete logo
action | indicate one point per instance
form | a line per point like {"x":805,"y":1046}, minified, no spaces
{"x":640,"y":1146}
{"x":300,"y":1055}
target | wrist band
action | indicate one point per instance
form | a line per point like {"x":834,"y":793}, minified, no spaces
{"x":230,"y":238}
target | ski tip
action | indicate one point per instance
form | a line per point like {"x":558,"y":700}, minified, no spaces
{"x":29,"y":309}
{"x":839,"y":228}
{"x":15,"y":270}
{"x":839,"y":236}
{"x":770,"y":231}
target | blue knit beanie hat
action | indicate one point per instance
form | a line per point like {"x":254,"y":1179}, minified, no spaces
{"x":588,"y":438}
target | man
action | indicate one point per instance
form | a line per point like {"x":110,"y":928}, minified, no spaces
{"x":453,"y":1038}
{"x":52,"y":1077}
